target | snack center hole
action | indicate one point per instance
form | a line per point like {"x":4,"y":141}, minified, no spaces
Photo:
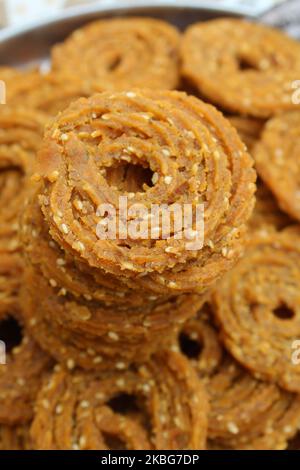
{"x":10,"y":333}
{"x":124,"y":404}
{"x":246,"y":64}
{"x":115,"y":63}
{"x":128,"y":177}
{"x":283,"y":312}
{"x":190,"y":347}
{"x":113,"y":442}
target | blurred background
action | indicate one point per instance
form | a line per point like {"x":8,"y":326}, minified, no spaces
{"x":19,"y":12}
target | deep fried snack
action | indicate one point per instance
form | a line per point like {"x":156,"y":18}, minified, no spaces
{"x":266,"y":211}
{"x":246,"y":413}
{"x":277,"y":160}
{"x":193,"y":155}
{"x":249,"y":129}
{"x":161,"y":405}
{"x":243,"y":67}
{"x":122,"y":53}
{"x":257,"y":306}
{"x":20,"y":136}
{"x":20,"y":380}
{"x":14,"y":437}
{"x":86,"y":333}
{"x":50,"y":92}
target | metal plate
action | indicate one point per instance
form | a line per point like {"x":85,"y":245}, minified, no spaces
{"x":23,"y":47}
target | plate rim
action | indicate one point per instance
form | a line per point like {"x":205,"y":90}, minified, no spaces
{"x":114,"y":8}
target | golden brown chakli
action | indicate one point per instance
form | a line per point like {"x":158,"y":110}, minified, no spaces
{"x":160,"y":405}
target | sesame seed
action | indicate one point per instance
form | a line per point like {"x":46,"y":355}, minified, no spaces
{"x":190,"y":134}
{"x":224,"y":252}
{"x":172,"y":284}
{"x":120,"y":383}
{"x":155,"y":178}
{"x":33,"y":321}
{"x":126,"y":158}
{"x":57,"y":220}
{"x":95,"y":134}
{"x":177,"y":422}
{"x":60,"y":262}
{"x":120,"y":365}
{"x":53,"y":176}
{"x":36,"y":178}
{"x":59,"y":409}
{"x":211,"y":244}
{"x":64,"y":137}
{"x":105,"y":117}
{"x":166,"y":152}
{"x":287,"y":429}
{"x":232,"y":428}
{"x":62,"y":292}
{"x":128,"y":266}
{"x":146,"y":388}
{"x":65,"y":229}
{"x":94,"y":115}
{"x":46,"y":404}
{"x":131,"y":94}
{"x":82,"y":441}
{"x":79,"y":246}
{"x":112,"y":335}
{"x":168,"y":179}
{"x":83,"y":135}
{"x":21,"y":381}
{"x":84,"y":404}
{"x":52,"y":283}
{"x":194,"y":169}
{"x":70,"y":364}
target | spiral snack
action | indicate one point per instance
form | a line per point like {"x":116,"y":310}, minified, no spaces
{"x":243,"y":67}
{"x":246,"y":413}
{"x":49,"y":93}
{"x":193,"y":155}
{"x":257,"y":306}
{"x":20,"y":136}
{"x":86,"y":333}
{"x":20,"y":380}
{"x":161,"y":405}
{"x":277,"y":161}
{"x":122,"y":53}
